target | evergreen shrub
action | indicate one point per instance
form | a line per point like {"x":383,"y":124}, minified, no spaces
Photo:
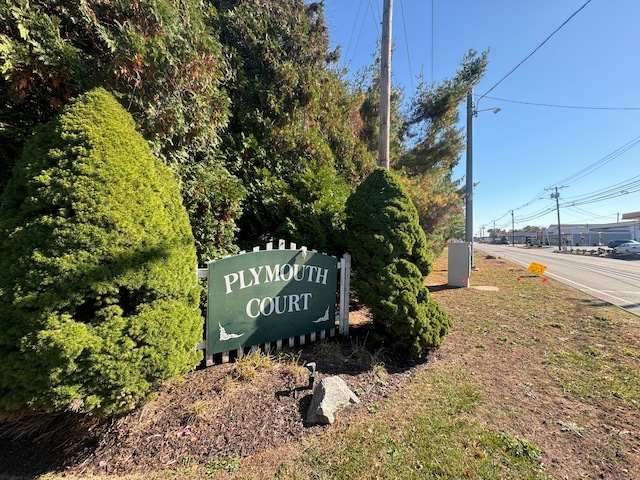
{"x":390,"y":260}
{"x":98,"y":295}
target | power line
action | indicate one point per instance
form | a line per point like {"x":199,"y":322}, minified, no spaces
{"x":611,"y":192}
{"x":378,"y":20}
{"x":406,"y":42}
{"x":577,"y":107}
{"x":534,"y":51}
{"x":603,"y":161}
{"x":353,"y":31}
{"x":589,"y":215}
{"x":632,"y":185}
{"x":600,"y":195}
{"x":538,"y":214}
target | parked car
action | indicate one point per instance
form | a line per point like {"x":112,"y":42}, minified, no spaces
{"x":615,"y":243}
{"x":629,"y":247}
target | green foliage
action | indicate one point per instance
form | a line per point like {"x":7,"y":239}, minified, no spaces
{"x":230,"y":465}
{"x":212,"y":197}
{"x":433,"y":117}
{"x":163,"y":62}
{"x":439,"y":205}
{"x":188,"y":71}
{"x":382,"y":225}
{"x":293,"y":135}
{"x":436,"y":144}
{"x":98,"y":297}
{"x":425,"y":143}
{"x":390,"y":260}
{"x":518,"y":447}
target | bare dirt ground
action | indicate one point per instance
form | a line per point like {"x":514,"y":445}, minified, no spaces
{"x":206,"y":417}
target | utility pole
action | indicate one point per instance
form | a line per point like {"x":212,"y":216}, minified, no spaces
{"x":468,"y":224}
{"x":513,"y":231}
{"x":556,"y":195}
{"x":385,"y":85}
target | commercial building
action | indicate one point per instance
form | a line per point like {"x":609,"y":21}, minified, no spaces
{"x":587,"y":234}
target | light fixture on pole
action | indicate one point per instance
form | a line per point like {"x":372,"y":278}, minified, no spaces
{"x":468,"y":224}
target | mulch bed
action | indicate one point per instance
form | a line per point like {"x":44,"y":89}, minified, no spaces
{"x":204,"y":418}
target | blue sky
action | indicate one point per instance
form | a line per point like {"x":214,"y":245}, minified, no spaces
{"x":533,"y":143}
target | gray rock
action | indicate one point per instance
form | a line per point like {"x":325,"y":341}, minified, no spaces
{"x":331,"y":394}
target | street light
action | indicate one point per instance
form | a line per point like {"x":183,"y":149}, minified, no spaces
{"x":468,"y":224}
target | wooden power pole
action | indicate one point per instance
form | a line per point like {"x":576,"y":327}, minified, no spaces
{"x":385,"y":85}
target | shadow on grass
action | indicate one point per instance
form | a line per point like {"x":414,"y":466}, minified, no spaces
{"x":440,"y":288}
{"x":592,"y":302}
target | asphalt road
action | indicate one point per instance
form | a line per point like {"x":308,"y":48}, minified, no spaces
{"x":615,"y":280}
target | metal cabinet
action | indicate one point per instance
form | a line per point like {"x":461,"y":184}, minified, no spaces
{"x":459,"y":264}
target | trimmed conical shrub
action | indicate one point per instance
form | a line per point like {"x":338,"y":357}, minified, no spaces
{"x":390,"y":261}
{"x":98,"y":295}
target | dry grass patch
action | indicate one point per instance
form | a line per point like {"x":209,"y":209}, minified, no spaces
{"x":549,"y":361}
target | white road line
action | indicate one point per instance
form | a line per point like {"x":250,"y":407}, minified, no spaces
{"x":580,"y":286}
{"x":584,"y":287}
{"x":628,"y":293}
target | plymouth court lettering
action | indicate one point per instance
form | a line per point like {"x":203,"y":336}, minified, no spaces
{"x":279,"y":304}
{"x":263,"y":296}
{"x":275,"y":273}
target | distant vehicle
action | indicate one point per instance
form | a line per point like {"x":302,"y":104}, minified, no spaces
{"x":629,"y":247}
{"x":615,"y":243}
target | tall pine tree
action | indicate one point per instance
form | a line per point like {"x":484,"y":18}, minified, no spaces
{"x":293,"y":134}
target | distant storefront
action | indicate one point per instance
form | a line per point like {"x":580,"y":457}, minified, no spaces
{"x":580,"y":234}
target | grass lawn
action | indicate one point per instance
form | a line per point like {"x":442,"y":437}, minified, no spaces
{"x":535,"y":380}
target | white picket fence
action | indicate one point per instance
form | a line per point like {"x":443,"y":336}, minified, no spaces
{"x":342,"y":313}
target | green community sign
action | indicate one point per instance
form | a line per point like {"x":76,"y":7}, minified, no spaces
{"x":264,"y":296}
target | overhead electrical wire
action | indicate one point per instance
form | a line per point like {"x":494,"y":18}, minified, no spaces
{"x":577,"y":107}
{"x":364,"y":21}
{"x":538,"y":214}
{"x":600,"y":195}
{"x":376,"y":21}
{"x":600,"y":163}
{"x":406,"y":42}
{"x":617,"y":190}
{"x":534,"y":51}
{"x":613,"y":191}
{"x":590,"y":216}
{"x":352,"y":32}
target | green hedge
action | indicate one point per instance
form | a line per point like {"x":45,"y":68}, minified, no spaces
{"x":98,"y":295}
{"x":390,"y":261}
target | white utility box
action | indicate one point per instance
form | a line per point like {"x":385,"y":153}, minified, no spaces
{"x":459,"y":264}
